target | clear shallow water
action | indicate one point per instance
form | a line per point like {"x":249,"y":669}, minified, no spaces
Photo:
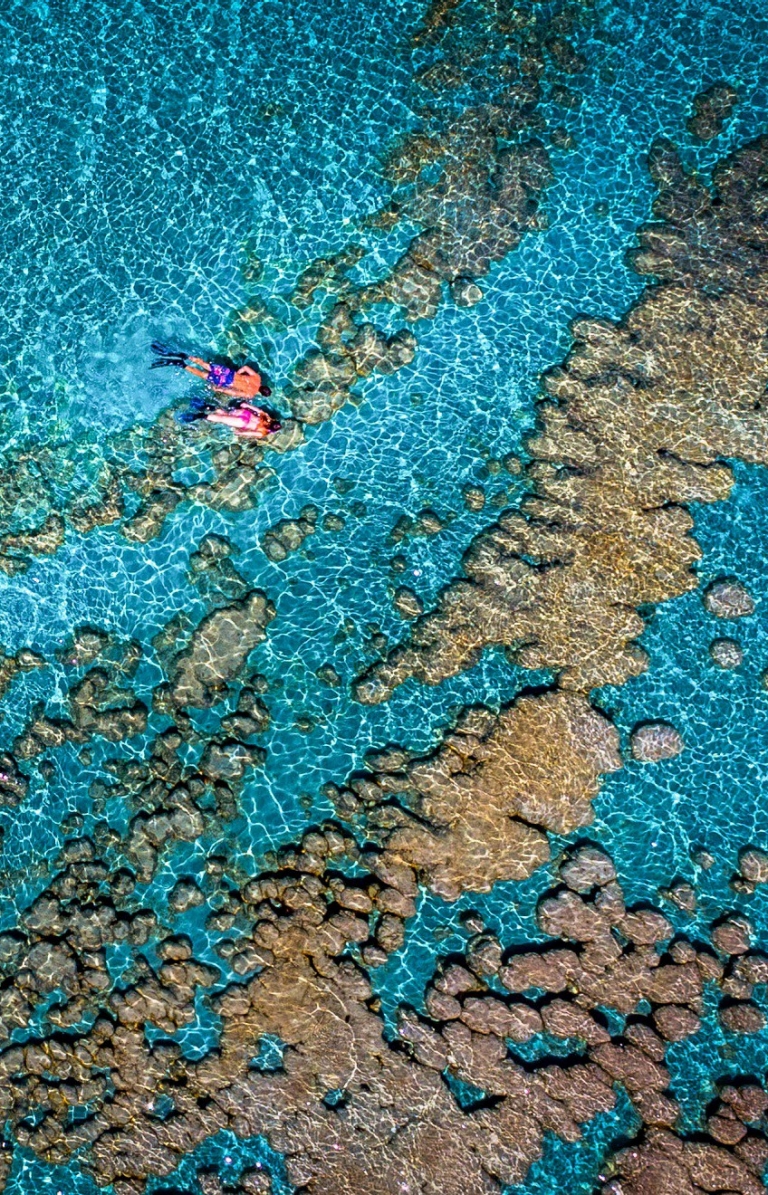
{"x":146,"y":143}
{"x":150,"y":147}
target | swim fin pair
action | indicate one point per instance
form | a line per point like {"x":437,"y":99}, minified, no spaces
{"x":168,"y":354}
{"x":198,"y":409}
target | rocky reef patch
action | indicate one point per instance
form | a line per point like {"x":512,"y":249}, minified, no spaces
{"x":636,"y":424}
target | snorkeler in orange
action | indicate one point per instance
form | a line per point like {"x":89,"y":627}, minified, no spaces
{"x":244,"y":382}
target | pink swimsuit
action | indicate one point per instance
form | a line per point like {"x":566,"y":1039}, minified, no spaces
{"x":247,"y":419}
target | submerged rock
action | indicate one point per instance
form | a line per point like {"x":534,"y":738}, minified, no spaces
{"x":728,"y":599}
{"x":218,"y":649}
{"x":681,"y":894}
{"x":675,"y":1022}
{"x":149,"y":519}
{"x":85,"y":645}
{"x":13,"y":783}
{"x":186,"y":894}
{"x":465,"y":292}
{"x":288,"y":535}
{"x":711,"y":109}
{"x":587,"y":868}
{"x":733,"y":936}
{"x":474,"y":498}
{"x":753,"y":865}
{"x":726,"y":653}
{"x":10,"y":666}
{"x":742,"y":1018}
{"x":655,"y":741}
{"x":212,"y":572}
{"x":407,"y":603}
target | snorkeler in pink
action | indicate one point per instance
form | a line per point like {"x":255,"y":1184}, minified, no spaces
{"x":252,"y":423}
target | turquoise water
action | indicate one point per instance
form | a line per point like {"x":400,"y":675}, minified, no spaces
{"x":150,"y":150}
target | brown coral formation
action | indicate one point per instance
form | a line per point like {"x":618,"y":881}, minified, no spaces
{"x":349,"y":1110}
{"x":99,"y":703}
{"x":212,"y":572}
{"x":712,"y":109}
{"x":83,"y":485}
{"x":472,"y":183}
{"x":177,"y":801}
{"x":726,"y":653}
{"x":654,"y":741}
{"x":471,"y":814}
{"x":42,"y":540}
{"x":10,"y":666}
{"x":218,"y":650}
{"x":288,"y":535}
{"x":635,"y":425}
{"x":727,"y":598}
{"x":662,"y":1164}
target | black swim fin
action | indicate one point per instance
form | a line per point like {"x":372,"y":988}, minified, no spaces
{"x":161,"y":362}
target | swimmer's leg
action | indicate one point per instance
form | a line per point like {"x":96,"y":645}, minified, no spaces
{"x":199,"y":408}
{"x":199,"y":373}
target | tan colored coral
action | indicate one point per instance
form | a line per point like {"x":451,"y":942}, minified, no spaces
{"x":218,"y":650}
{"x":485,"y":793}
{"x":636,"y":425}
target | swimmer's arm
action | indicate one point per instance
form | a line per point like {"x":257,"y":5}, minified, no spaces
{"x":249,"y":373}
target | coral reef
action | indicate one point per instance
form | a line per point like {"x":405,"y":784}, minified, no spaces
{"x":471,"y":181}
{"x":728,"y":599}
{"x":99,"y":702}
{"x":218,"y":649}
{"x":348,"y":1109}
{"x":212,"y":572}
{"x":130,"y":479}
{"x":635,"y":425}
{"x":24,"y":661}
{"x":654,"y":741}
{"x":97,"y":989}
{"x":662,"y":1163}
{"x":471,"y":814}
{"x":726,"y":653}
{"x":712,"y":109}
{"x":289,"y":534}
